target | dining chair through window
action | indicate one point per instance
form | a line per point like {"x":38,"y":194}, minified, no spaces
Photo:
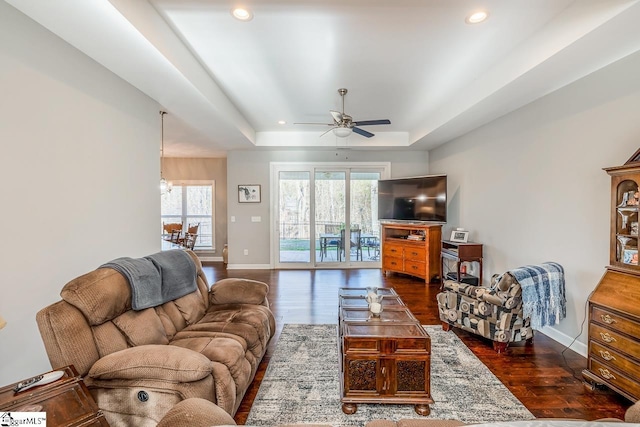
{"x":172,"y":231}
{"x":189,"y":239}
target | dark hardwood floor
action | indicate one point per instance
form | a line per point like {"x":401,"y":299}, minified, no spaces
{"x":544,"y":376}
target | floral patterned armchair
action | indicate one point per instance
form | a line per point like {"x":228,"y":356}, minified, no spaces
{"x":493,"y":312}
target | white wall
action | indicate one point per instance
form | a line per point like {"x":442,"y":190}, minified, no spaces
{"x":531,"y":188}
{"x":80,"y":171}
{"x":252,"y":167}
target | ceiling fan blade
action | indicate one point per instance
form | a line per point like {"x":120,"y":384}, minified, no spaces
{"x":337,"y":116}
{"x":324,"y":133}
{"x":323,"y":124}
{"x":372,"y":122}
{"x":362,"y":132}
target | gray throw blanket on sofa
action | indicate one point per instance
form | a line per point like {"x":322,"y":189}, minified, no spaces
{"x":543,"y":293}
{"x":157,"y":278}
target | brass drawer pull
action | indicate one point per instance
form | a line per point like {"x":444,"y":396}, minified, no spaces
{"x":606,"y":355}
{"x":607,"y":338}
{"x":606,"y":374}
{"x":607,"y":319}
{"x":384,"y":374}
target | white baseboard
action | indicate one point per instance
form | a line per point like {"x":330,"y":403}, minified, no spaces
{"x":248,"y":267}
{"x":210,"y":258}
{"x":563,"y":339}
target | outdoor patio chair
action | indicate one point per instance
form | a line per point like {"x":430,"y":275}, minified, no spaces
{"x":331,"y":240}
{"x":355,"y":242}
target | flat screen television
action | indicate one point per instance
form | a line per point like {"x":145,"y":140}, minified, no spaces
{"x":421,"y":198}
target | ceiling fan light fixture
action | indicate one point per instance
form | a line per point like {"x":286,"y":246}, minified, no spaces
{"x":242,"y":14}
{"x":477,"y":17}
{"x":342,"y":132}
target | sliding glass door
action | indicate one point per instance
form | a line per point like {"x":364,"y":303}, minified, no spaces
{"x":330,"y":215}
{"x":326,"y":215}
{"x":293,"y":221}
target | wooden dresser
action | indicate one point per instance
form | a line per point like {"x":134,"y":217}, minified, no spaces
{"x":67,"y":402}
{"x":412,"y":249}
{"x":614,"y":306}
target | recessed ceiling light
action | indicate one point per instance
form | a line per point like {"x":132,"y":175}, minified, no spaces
{"x":476,"y":17}
{"x":242,"y":14}
{"x":282,"y":122}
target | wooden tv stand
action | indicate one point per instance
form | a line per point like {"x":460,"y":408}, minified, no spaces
{"x":412,"y":249}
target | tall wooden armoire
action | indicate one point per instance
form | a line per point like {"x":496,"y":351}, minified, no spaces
{"x":614,"y":306}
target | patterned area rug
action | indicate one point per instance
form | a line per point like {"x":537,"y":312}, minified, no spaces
{"x":301,"y":384}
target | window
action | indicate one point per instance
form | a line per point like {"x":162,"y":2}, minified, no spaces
{"x":191,"y":202}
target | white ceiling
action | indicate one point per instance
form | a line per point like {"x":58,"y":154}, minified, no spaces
{"x":227,"y":83}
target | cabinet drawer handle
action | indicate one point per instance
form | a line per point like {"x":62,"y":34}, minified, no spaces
{"x":414,"y":267}
{"x":414,"y":253}
{"x":607,"y":338}
{"x":607,"y":319}
{"x":393,"y":263}
{"x":606,"y":374}
{"x":384,"y":375}
{"x":393,"y":250}
{"x":606,"y":355}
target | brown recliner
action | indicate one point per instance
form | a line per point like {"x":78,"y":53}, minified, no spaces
{"x":139,"y":364}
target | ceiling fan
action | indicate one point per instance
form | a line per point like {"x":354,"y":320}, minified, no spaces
{"x":343,"y":124}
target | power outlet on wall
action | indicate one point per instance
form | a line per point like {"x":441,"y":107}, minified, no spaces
{"x":246,"y":251}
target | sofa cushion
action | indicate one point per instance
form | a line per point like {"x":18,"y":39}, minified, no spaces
{"x":226,"y":351}
{"x":141,"y":327}
{"x":251,"y":322}
{"x":160,"y":362}
{"x":100,"y":295}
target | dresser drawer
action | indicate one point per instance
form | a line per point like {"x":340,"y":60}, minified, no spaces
{"x":415,"y":254}
{"x":614,"y":359}
{"x":613,"y":340}
{"x":614,"y":377}
{"x":393,"y":250}
{"x":392,"y":263}
{"x":614,"y":321}
{"x":414,"y":267}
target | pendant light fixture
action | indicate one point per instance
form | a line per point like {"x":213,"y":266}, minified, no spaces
{"x":165,"y":186}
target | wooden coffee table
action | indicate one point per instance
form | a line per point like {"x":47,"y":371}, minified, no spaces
{"x":385,"y":359}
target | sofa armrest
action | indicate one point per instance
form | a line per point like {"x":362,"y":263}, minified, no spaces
{"x":195,"y":412}
{"x":155,"y":362}
{"x":633,"y":413}
{"x":239,"y":291}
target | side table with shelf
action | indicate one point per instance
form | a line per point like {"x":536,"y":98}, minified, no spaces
{"x":459,"y":253}
{"x":67,"y":402}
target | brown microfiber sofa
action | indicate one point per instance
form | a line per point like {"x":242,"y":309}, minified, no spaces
{"x":139,"y":364}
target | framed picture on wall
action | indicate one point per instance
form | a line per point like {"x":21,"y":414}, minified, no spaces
{"x":459,"y":236}
{"x":249,"y":193}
